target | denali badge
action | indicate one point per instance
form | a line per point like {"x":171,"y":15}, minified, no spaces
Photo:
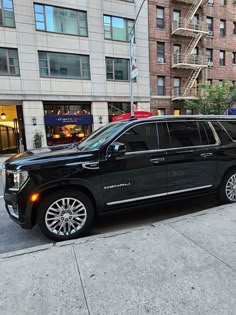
{"x":117,"y":186}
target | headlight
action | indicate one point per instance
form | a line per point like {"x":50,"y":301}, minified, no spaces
{"x":16,"y":179}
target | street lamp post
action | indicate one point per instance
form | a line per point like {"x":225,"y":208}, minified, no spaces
{"x":131,"y":56}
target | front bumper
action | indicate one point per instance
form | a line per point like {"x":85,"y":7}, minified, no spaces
{"x":16,"y":213}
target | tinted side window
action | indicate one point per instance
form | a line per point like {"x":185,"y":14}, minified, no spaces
{"x":224,"y":137}
{"x":230,"y":127}
{"x":184,"y":134}
{"x":207,"y":136}
{"x":163,"y":136}
{"x":140,"y":138}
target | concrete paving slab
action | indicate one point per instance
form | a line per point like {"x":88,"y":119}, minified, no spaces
{"x":214,"y":231}
{"x":46,"y":282}
{"x":154,"y":271}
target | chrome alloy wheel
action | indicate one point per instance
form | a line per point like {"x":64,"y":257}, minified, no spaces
{"x":65,"y":216}
{"x":230,"y":188}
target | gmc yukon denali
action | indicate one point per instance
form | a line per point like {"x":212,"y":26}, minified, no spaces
{"x":124,"y":164}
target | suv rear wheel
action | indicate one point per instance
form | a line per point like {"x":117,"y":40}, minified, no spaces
{"x":227,"y":190}
{"x":65,"y":215}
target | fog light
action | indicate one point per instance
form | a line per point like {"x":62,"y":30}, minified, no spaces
{"x":34,"y":197}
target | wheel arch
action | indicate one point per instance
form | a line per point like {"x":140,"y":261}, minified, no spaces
{"x":229,"y":170}
{"x":50,"y":190}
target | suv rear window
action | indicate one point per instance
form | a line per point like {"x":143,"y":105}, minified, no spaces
{"x":206,"y":133}
{"x":230,"y":127}
{"x":184,"y":134}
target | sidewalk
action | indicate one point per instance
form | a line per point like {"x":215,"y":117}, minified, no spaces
{"x":185,"y":265}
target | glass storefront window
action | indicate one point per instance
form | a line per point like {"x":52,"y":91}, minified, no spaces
{"x":67,"y":123}
{"x":118,"y":108}
{"x":67,"y":134}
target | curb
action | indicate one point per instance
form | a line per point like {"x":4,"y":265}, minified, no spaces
{"x":95,"y":238}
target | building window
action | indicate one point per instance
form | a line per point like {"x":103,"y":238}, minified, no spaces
{"x":209,"y":81}
{"x":177,"y":112}
{"x":222,"y":58}
{"x":189,"y":111}
{"x":234,"y":28}
{"x":221,"y":82}
{"x":160,"y":52}
{"x":209,"y":53}
{"x":161,"y":89}
{"x":160,"y":17}
{"x":60,"y":65}
{"x":7,"y":13}
{"x":117,"y":28}
{"x":195,"y":22}
{"x":117,"y":69}
{"x":223,"y":2}
{"x":210,"y":25}
{"x":161,"y":111}
{"x":222,"y":28}
{"x":234,"y":58}
{"x":177,"y":86}
{"x":9,"y":62}
{"x":60,"y":20}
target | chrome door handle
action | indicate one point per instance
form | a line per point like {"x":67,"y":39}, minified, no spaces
{"x":205,"y":155}
{"x":157,"y":160}
{"x":91,"y":165}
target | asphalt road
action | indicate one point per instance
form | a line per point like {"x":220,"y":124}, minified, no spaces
{"x":13,"y":237}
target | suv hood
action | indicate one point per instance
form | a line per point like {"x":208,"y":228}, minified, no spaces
{"x":55,"y":154}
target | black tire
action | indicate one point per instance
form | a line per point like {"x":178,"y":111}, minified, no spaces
{"x":63,"y":216}
{"x":229,"y":180}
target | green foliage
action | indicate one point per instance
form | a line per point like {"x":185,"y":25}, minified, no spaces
{"x":37,"y":138}
{"x":215,"y":99}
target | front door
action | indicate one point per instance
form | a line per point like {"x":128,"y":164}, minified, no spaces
{"x":140,"y":174}
{"x":191,"y":157}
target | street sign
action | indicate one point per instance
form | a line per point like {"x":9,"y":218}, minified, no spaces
{"x":134,"y":72}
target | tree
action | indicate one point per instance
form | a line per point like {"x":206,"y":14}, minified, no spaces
{"x":215,"y":99}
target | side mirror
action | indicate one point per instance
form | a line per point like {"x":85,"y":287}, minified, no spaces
{"x":116,"y":149}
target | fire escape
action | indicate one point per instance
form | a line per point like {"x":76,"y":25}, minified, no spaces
{"x":194,"y":30}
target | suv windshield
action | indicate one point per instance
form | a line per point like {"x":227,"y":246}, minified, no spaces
{"x":100,"y":136}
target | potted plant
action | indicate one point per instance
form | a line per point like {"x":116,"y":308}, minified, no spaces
{"x":37,"y":139}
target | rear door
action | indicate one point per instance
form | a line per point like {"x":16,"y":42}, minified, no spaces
{"x":191,"y":156}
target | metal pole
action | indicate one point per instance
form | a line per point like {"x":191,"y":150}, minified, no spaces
{"x":131,"y":56}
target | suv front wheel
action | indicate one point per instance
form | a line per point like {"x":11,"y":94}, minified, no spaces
{"x":65,"y":215}
{"x":227,"y":190}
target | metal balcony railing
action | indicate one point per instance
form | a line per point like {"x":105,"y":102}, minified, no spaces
{"x":189,"y":61}
{"x":184,"y":93}
{"x":186,"y":1}
{"x":183,"y":27}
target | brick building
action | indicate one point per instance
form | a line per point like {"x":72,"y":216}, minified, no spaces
{"x":191,"y":41}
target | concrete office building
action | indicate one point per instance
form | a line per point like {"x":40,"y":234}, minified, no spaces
{"x":191,"y":41}
{"x":64,"y":67}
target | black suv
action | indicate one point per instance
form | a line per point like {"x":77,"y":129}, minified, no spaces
{"x":124,"y":164}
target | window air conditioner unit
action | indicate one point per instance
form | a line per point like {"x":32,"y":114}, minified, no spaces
{"x":160,"y":60}
{"x":210,"y":33}
{"x":210,"y":2}
{"x":210,"y":64}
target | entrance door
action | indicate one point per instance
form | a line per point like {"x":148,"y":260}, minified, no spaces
{"x":11,"y":129}
{"x":140,"y":174}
